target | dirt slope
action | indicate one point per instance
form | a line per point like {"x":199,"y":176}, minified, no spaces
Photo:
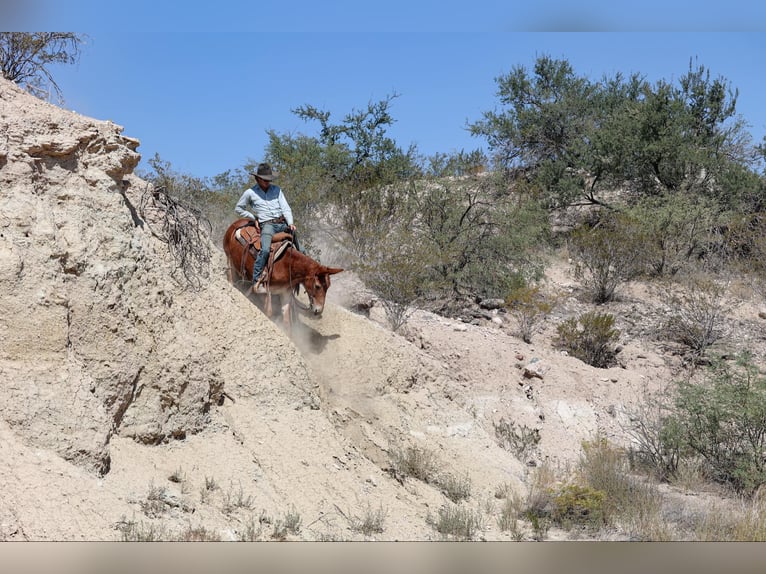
{"x":130,"y":404}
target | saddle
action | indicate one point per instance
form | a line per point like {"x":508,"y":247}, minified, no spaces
{"x":250,"y":237}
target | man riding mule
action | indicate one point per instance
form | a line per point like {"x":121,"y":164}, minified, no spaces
{"x":289,"y":269}
{"x":265,"y":203}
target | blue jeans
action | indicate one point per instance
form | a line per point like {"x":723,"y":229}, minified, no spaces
{"x":267,"y":232}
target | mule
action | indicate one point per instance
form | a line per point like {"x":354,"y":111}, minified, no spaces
{"x":288,"y":269}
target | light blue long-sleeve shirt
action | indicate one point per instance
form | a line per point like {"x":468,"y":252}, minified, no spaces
{"x":264,"y":205}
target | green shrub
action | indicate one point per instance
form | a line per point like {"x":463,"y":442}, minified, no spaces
{"x":697,"y":312}
{"x":528,"y":306}
{"x":635,"y":505}
{"x":606,"y":256}
{"x":676,"y":228}
{"x":457,"y":522}
{"x":517,"y":439}
{"x":589,"y":337}
{"x":579,"y":505}
{"x":723,"y":419}
{"x":657,"y":440}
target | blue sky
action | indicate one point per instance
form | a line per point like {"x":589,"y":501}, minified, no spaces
{"x":202,"y":86}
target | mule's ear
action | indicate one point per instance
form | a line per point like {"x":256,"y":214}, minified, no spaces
{"x":332,"y":270}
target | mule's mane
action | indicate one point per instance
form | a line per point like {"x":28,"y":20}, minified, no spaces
{"x":304,"y":266}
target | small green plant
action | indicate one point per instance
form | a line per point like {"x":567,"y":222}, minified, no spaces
{"x":591,"y":337}
{"x":579,"y":505}
{"x":540,"y":525}
{"x":293,"y":521}
{"x":520,"y":440}
{"x":208,"y":489}
{"x":210,"y":484}
{"x":528,"y":306}
{"x":178,"y":476}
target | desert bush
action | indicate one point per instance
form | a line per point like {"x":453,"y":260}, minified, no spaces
{"x":253,"y":529}
{"x":210,"y":486}
{"x":657,"y":441}
{"x":182,"y":227}
{"x":541,"y":485}
{"x":675,"y":229}
{"x":745,"y":522}
{"x":697,"y":312}
{"x":236,"y":499}
{"x":456,"y":488}
{"x":746,"y":242}
{"x":131,"y":531}
{"x":178,"y":476}
{"x":483,"y":241}
{"x":510,"y":513}
{"x":529,"y":307}
{"x":26,"y":58}
{"x":579,"y":505}
{"x":589,"y":337}
{"x":198,"y":534}
{"x":606,"y":255}
{"x":155,"y":502}
{"x":413,"y":461}
{"x":537,"y":506}
{"x":518,"y":439}
{"x":399,"y":275}
{"x":455,"y":522}
{"x":632,"y":503}
{"x":604,"y":467}
{"x":723,"y":420}
{"x":371,"y":521}
{"x":293,"y":521}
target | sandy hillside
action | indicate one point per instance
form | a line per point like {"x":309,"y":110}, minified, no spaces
{"x":132,"y":404}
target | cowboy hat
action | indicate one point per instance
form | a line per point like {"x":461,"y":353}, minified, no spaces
{"x":264,"y":172}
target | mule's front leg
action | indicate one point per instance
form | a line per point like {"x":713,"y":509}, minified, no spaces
{"x":287,"y":315}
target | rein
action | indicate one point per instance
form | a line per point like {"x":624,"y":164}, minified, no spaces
{"x":294,"y":292}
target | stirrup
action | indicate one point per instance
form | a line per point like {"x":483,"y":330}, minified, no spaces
{"x":258,"y":285}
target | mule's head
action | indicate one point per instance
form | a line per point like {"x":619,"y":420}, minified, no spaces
{"x":316,"y":286}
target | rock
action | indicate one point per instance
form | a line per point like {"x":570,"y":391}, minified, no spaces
{"x":492,"y":304}
{"x":535,"y":369}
